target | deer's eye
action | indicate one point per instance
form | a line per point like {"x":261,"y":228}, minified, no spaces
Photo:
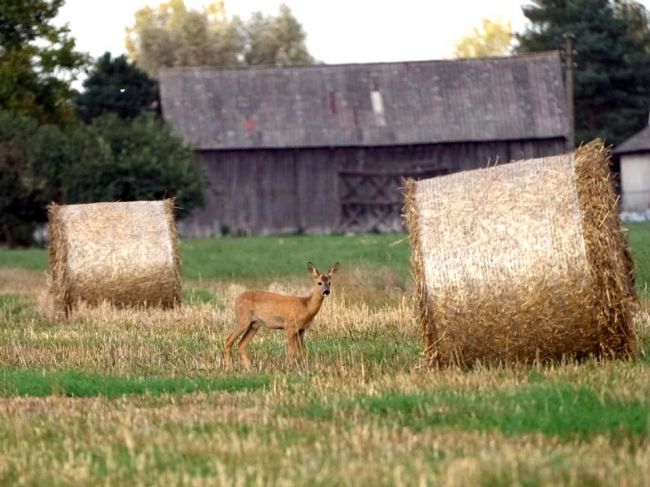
{"x":320,"y":283}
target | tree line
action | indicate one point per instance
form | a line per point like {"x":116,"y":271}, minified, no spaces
{"x":107,"y":141}
{"x":611,"y":58}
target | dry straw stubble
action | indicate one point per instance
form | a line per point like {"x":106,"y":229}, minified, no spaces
{"x":125,"y":253}
{"x":522,"y":262}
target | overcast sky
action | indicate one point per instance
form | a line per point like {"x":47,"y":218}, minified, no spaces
{"x":338,"y":31}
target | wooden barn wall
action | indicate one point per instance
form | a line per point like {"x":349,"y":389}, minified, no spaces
{"x":266,"y":192}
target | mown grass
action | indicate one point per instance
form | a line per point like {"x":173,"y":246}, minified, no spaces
{"x":141,"y":397}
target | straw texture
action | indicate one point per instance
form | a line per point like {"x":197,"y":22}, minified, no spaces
{"x":123,"y":253}
{"x":522,"y":262}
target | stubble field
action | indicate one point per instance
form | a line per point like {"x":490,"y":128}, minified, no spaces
{"x":137,"y":397}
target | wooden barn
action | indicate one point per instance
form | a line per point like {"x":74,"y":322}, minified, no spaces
{"x":324,"y":148}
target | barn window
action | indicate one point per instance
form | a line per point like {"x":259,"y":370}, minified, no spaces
{"x":332,"y":101}
{"x":377,"y":102}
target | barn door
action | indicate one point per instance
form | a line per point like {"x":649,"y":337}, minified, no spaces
{"x":373,"y":201}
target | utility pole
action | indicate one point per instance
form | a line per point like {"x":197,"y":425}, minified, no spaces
{"x":568,"y":83}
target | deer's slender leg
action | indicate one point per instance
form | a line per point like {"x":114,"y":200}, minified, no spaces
{"x":301,"y":343}
{"x":243,"y":343}
{"x":292,"y":344}
{"x":243,"y":323}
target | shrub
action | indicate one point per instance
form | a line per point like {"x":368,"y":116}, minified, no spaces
{"x":110,"y":160}
{"x":139,"y":160}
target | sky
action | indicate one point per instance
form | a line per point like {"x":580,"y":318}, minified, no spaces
{"x":338,"y":31}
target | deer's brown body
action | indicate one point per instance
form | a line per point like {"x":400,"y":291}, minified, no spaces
{"x":293,"y":314}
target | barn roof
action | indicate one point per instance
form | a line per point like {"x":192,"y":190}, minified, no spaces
{"x":639,"y":142}
{"x":505,"y":98}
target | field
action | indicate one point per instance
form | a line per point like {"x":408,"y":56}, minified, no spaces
{"x":137,"y":397}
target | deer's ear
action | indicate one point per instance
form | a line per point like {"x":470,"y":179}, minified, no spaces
{"x":334,"y":268}
{"x":311,"y":268}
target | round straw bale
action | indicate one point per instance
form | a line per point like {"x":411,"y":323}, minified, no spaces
{"x":122,"y":253}
{"x":522,"y":262}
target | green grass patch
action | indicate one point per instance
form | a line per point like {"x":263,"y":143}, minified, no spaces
{"x":271,"y":257}
{"x":639,"y":239}
{"x":265,"y":257}
{"x":81,"y":384}
{"x":199,"y":296}
{"x":33,"y":259}
{"x":387,"y":347}
{"x":561,"y":410}
{"x":13,"y":305}
{"x":261,"y":257}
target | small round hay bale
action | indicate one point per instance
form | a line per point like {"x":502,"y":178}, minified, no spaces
{"x":123,"y":253}
{"x":522,"y":262}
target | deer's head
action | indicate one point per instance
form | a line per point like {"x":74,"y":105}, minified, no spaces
{"x":322,"y":281}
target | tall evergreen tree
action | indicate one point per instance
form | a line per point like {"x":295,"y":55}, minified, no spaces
{"x":116,"y":86}
{"x":612,"y":72}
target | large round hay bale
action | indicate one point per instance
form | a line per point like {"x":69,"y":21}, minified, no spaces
{"x":522,"y":262}
{"x":123,"y":253}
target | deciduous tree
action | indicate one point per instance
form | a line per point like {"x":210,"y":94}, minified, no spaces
{"x":173,"y":35}
{"x":37,"y":60}
{"x":492,"y":38}
{"x":111,"y":159}
{"x":276,"y":40}
{"x":136,"y":160}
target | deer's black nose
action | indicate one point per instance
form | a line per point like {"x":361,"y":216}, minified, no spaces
{"x":326,"y":292}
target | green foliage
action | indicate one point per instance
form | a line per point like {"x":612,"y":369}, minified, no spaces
{"x":173,"y":35}
{"x":14,"y":192}
{"x":37,"y":61}
{"x":612,"y":74}
{"x":19,"y":189}
{"x":138,"y":160}
{"x":276,"y":40}
{"x":116,"y":86}
{"x":109,"y":160}
{"x":40,"y":165}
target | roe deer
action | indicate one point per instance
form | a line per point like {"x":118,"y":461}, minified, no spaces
{"x":293,"y":314}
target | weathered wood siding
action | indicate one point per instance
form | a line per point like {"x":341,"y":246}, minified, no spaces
{"x":265,"y":192}
{"x":270,"y":192}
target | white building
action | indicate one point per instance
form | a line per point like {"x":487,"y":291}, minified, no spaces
{"x":634,"y":154}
